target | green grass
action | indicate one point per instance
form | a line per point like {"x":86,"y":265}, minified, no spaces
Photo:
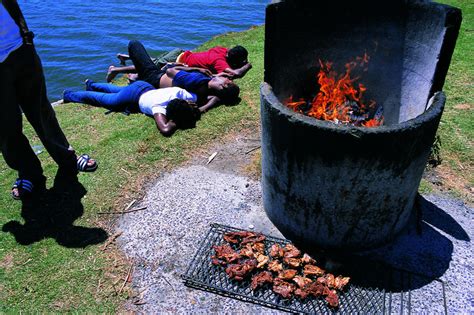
{"x":456,"y":129}
{"x":46,"y":276}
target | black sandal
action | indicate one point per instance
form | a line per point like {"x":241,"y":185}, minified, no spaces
{"x":83,"y":164}
{"x":24,"y":188}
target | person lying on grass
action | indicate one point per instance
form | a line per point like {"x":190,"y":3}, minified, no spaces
{"x":210,"y":90}
{"x":219,"y":60}
{"x":171,"y":108}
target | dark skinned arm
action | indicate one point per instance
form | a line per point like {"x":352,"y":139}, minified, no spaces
{"x":238,"y":73}
{"x":165,"y":126}
{"x":212,"y":101}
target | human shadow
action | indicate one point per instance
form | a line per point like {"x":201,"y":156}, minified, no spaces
{"x":52,"y":214}
{"x":419,"y":255}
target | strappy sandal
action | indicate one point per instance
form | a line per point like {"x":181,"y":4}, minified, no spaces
{"x":24,"y":188}
{"x":83,"y":164}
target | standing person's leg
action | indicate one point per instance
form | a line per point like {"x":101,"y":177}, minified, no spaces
{"x":31,"y":93}
{"x":146,"y":69}
{"x":15,"y":148}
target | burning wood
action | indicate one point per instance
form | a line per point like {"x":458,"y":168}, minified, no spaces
{"x":338,"y":99}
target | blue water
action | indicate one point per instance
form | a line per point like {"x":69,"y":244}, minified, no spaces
{"x":79,"y":39}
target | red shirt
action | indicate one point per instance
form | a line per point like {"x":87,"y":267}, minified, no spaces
{"x":212,"y":59}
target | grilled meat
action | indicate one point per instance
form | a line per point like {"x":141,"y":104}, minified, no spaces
{"x":307,"y":259}
{"x":312,"y":270}
{"x":292,"y":262}
{"x":302,"y":281}
{"x":291,"y":251}
{"x":276,"y":251}
{"x":241,"y":270}
{"x":275,"y":266}
{"x":287,"y":274}
{"x":260,"y":279}
{"x":283,"y":288}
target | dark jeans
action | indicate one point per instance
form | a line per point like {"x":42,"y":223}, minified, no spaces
{"x":23,"y":86}
{"x":117,"y":98}
{"x":146,"y":69}
{"x":161,"y":60}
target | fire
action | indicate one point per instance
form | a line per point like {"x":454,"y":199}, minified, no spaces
{"x":339,"y":98}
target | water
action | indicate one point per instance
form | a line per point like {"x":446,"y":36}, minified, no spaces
{"x":79,"y":39}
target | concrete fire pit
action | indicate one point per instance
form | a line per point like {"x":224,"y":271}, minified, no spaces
{"x":337,"y":186}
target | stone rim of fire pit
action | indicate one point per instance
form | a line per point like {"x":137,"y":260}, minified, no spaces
{"x":435,"y":109}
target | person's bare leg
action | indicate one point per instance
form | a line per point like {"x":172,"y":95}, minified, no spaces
{"x":123,"y":58}
{"x":114,"y":71}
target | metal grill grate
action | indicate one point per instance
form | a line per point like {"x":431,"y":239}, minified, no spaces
{"x":370,"y":293}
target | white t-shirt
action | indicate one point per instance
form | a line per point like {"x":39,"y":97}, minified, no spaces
{"x":10,"y":38}
{"x":155,"y":101}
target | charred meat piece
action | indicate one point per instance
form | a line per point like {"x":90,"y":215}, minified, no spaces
{"x":302,"y":281}
{"x":291,"y":251}
{"x":308,"y":260}
{"x":292,"y":262}
{"x":275,"y":266}
{"x":253,"y":238}
{"x":236,"y":237}
{"x":332,"y":298}
{"x":225,"y":253}
{"x":260,"y":279}
{"x":283,"y":288}
{"x":259,"y":247}
{"x":315,"y":289}
{"x":332,"y":282}
{"x":287,"y":274}
{"x":247,"y":251}
{"x":276,"y":251}
{"x":312,"y":270}
{"x":262,"y":260}
{"x":241,"y":270}
{"x":301,"y":293}
{"x":340,"y":282}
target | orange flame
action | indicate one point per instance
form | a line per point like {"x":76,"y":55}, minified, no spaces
{"x":336,"y":94}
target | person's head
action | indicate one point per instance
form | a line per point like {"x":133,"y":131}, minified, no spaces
{"x":225,"y":89}
{"x":237,"y":57}
{"x":184,"y":114}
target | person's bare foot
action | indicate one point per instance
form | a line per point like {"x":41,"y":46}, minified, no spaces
{"x":111,"y":74}
{"x":132,"y":77}
{"x":123,"y":58}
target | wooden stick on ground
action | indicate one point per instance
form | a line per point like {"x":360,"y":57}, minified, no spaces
{"x":253,"y":149}
{"x":123,"y":212}
{"x":126,"y":278}
{"x":111,"y":240}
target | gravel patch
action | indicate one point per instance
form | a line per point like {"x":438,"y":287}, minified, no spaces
{"x":163,"y":238}
{"x":182,"y":204}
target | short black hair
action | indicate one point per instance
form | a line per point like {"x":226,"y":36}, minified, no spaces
{"x":229,"y":94}
{"x":237,"y":57}
{"x":182,"y":113}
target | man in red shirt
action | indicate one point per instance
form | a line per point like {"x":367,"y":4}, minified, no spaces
{"x":231,"y":63}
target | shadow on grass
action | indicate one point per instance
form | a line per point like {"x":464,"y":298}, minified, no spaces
{"x":52,"y":215}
